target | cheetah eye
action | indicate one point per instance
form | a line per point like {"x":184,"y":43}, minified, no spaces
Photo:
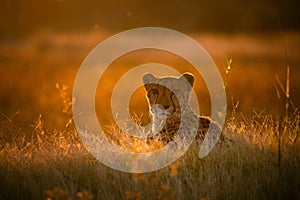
{"x":153,"y":92}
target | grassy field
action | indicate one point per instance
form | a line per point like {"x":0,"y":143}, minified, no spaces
{"x":55,"y":165}
{"x":43,"y":158}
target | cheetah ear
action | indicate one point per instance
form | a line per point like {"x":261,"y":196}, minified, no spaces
{"x":189,"y":77}
{"x":148,"y":78}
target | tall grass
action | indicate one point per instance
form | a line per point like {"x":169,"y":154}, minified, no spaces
{"x":55,"y":165}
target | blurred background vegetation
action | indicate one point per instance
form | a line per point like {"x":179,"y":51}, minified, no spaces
{"x":44,"y":42}
{"x":22,"y":17}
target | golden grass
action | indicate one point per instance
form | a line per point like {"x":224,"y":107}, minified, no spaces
{"x":55,"y":165}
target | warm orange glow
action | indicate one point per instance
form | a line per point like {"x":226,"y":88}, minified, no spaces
{"x":255,"y":46}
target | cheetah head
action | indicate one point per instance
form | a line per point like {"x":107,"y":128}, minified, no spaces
{"x":168,"y":96}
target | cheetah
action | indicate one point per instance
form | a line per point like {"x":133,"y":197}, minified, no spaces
{"x":173,"y":120}
{"x":169,"y":108}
